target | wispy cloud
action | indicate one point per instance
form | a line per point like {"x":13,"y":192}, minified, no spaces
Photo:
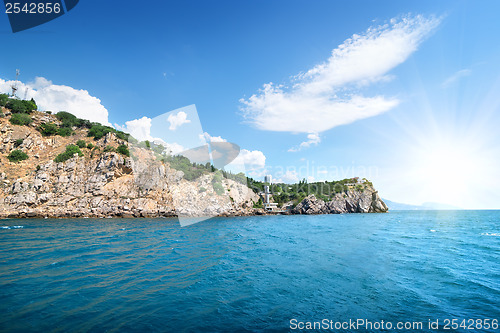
{"x":455,"y":77}
{"x":313,"y":139}
{"x":327,"y":95}
{"x":54,"y":97}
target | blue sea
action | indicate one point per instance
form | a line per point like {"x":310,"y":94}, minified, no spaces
{"x":252,"y":274}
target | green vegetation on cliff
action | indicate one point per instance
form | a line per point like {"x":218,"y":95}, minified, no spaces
{"x":194,"y":170}
{"x":17,"y":156}
{"x":18,"y":142}
{"x":69,"y":120}
{"x":50,"y":129}
{"x":21,"y":119}
{"x":4,"y":98}
{"x":81,"y":144}
{"x":191,"y":170}
{"x":17,"y":105}
{"x":295,"y":193}
{"x":98,"y":131}
{"x":20,"y":106}
{"x":64,"y":131}
{"x":258,"y":204}
{"x":123,"y":149}
{"x":71,"y":150}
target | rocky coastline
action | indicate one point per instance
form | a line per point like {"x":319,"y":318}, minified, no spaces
{"x":105,"y":183}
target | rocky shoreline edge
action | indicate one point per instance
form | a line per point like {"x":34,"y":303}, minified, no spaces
{"x":309,"y":206}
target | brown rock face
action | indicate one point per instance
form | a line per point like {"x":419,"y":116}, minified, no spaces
{"x":102,"y":184}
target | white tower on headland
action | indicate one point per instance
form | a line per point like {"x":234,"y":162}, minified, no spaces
{"x":267,"y":180}
{"x":267,"y":194}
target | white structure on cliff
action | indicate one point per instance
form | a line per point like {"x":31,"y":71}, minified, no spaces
{"x":267,"y":194}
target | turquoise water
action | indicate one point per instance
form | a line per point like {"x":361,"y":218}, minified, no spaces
{"x":248,"y":273}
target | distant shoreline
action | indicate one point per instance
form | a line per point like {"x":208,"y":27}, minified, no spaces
{"x":231,"y":216}
{"x":130,"y":216}
{"x":21,"y":217}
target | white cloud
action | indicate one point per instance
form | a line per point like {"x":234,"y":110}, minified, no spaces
{"x":258,"y":173}
{"x":138,"y":128}
{"x":53,"y":97}
{"x":177,"y":120}
{"x":141,"y":130}
{"x":289,"y":177}
{"x":171,"y":148}
{"x":250,"y":160}
{"x":205,"y":137}
{"x":313,"y":139}
{"x":323,"y":98}
{"x":455,"y":77}
{"x":254,"y":159}
{"x":174,"y":148}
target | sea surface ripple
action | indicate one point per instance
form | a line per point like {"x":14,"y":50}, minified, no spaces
{"x":247,"y":274}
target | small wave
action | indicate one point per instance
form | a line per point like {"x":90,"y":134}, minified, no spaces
{"x":13,"y":227}
{"x":5,"y":227}
{"x":432,"y":230}
{"x":490,"y":234}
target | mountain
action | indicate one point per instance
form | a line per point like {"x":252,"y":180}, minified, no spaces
{"x":439,"y":206}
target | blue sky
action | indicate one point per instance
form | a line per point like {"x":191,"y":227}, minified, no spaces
{"x":431,"y":135}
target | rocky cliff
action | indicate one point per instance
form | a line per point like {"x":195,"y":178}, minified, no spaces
{"x":352,"y":201}
{"x":102,"y":182}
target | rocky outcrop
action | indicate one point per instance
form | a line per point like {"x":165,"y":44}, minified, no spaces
{"x":103,"y":183}
{"x":352,"y":201}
